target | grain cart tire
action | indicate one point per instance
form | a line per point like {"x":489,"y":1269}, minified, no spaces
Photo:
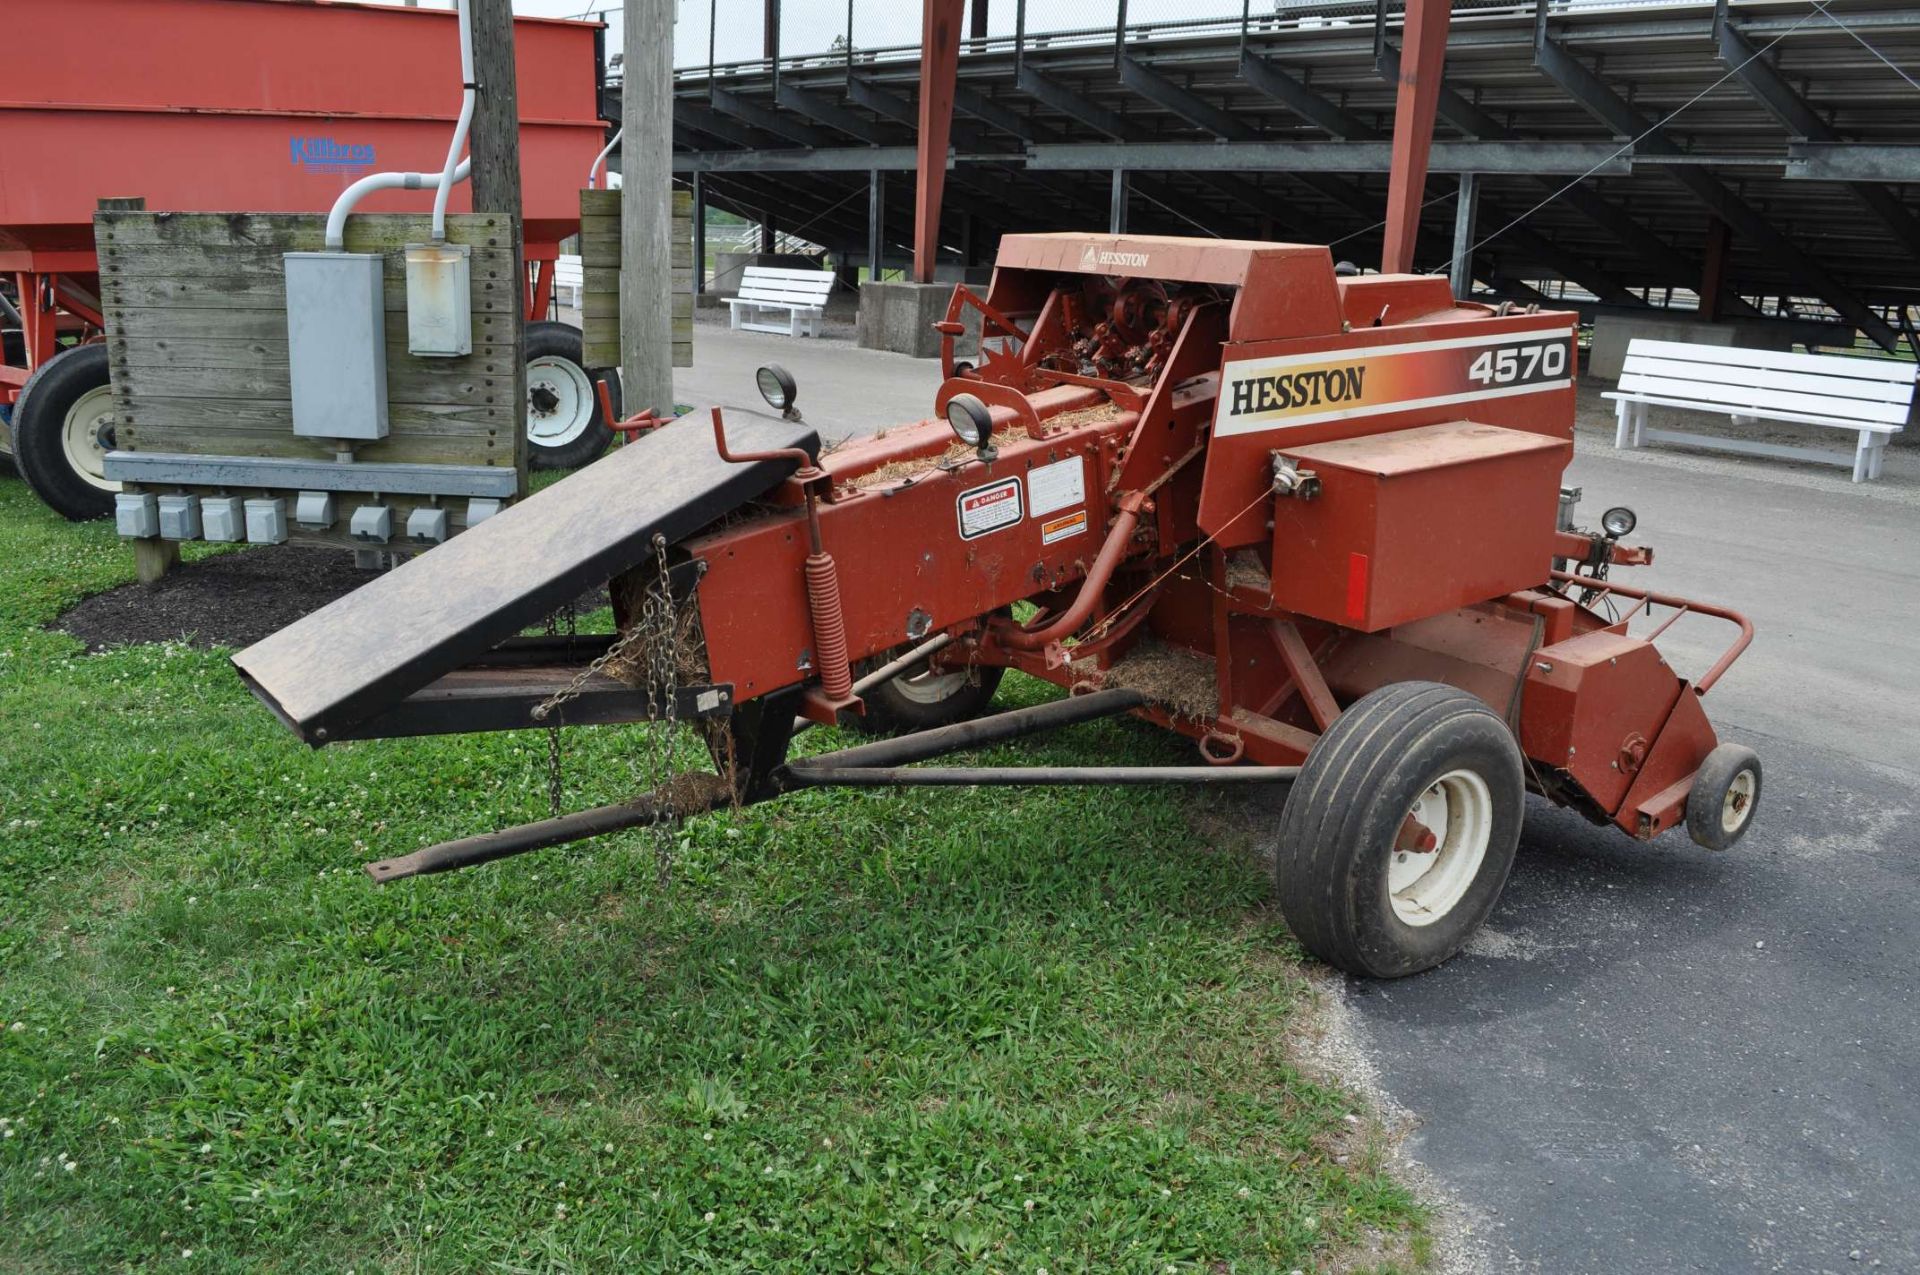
{"x":57,"y":425}
{"x":566,"y":427}
{"x":1725,"y":793}
{"x":1415,"y":764}
{"x":925,"y":699}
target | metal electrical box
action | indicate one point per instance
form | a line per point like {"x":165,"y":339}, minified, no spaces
{"x":439,"y":300}
{"x":337,"y":345}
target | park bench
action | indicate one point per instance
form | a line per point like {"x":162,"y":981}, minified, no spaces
{"x":1869,"y":398}
{"x":801,"y":293}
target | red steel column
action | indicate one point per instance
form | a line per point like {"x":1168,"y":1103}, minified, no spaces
{"x":939,"y":69}
{"x":1422,"y":60}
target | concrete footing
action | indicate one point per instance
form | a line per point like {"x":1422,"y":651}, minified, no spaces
{"x":1611,"y":332}
{"x":899,"y":316}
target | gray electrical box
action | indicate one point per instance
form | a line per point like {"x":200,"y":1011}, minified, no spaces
{"x":180,"y":517}
{"x":222,"y":519}
{"x":439,"y":300}
{"x":266,"y":522}
{"x":136,"y":516}
{"x":313,"y":510}
{"x":427,"y":525}
{"x":337,"y":345}
{"x":372,"y":524}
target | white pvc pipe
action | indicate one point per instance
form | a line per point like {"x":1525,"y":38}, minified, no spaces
{"x":337,"y":219}
{"x":443,"y":182}
{"x":594,"y":171}
{"x":467,"y":98}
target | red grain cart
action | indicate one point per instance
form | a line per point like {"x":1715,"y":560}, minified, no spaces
{"x":262,"y":106}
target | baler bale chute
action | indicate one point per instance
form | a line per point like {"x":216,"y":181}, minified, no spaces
{"x":1313,"y":523}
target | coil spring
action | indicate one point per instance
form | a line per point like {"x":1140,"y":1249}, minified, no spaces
{"x":829,"y":627}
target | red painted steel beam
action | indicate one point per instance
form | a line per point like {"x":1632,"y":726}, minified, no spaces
{"x":939,"y":70}
{"x":1422,"y":61}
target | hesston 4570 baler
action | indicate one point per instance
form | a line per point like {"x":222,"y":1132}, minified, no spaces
{"x":1311,"y":522}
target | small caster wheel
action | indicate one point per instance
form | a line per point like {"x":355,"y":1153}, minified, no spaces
{"x":1725,"y":792}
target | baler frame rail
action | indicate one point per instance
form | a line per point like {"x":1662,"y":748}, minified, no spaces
{"x":1646,"y":600}
{"x":882,"y":764}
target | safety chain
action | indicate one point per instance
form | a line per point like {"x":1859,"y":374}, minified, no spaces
{"x":556,"y":780}
{"x":657,"y":626}
{"x":662,"y":678}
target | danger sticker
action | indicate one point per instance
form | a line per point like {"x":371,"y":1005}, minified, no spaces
{"x":989,"y":508}
{"x":1063,"y":527}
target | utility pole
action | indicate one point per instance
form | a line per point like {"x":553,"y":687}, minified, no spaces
{"x":646,"y":208}
{"x":495,"y":148}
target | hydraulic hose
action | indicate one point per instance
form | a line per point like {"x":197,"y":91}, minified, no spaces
{"x":593,"y":172}
{"x":1119,"y":536}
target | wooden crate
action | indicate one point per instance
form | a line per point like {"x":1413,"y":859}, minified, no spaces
{"x":195,"y":308}
{"x":600,"y":275}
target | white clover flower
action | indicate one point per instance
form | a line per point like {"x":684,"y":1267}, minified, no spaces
{"x":1028,"y":1206}
{"x":710,"y":1215}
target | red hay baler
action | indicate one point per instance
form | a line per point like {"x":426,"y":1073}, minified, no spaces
{"x":1313,"y":523}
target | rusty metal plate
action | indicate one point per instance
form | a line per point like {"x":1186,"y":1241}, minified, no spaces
{"x":362,"y":654}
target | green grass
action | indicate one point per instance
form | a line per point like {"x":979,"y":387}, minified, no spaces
{"x":937,"y":1030}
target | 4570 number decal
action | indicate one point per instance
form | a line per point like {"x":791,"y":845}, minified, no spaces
{"x":1288,"y":391}
{"x":1520,"y":364}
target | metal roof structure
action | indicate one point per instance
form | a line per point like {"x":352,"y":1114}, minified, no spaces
{"x":1617,"y":147}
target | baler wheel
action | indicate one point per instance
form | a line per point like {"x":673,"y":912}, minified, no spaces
{"x":61,"y":426}
{"x":928,"y":698}
{"x":1397,"y":837}
{"x":1725,"y":792}
{"x":566,"y":427}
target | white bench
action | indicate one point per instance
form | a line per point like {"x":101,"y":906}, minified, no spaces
{"x":1869,"y":398}
{"x":568,"y":278}
{"x":801,"y":293}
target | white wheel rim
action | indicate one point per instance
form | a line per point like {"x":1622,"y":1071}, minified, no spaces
{"x":929,"y":687}
{"x":1737,"y":806}
{"x":80,"y":437}
{"x":1425,"y":886}
{"x":560,"y":401}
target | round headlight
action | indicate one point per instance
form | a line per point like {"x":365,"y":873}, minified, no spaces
{"x":776,"y":386}
{"x":972,"y":422}
{"x":1618,"y":521}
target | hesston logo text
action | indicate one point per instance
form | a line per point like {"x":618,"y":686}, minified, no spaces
{"x":1093,"y":258}
{"x":329,"y":155}
{"x":1298,"y":389}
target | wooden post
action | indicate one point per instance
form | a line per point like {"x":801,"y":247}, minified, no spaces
{"x":646,"y":213}
{"x":495,"y":148}
{"x":152,"y":559}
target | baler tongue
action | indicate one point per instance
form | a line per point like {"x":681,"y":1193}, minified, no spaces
{"x":361,"y":655}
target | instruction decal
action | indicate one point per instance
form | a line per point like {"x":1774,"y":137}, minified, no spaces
{"x":1061,"y":485}
{"x":1063,"y":527}
{"x":989,"y":508}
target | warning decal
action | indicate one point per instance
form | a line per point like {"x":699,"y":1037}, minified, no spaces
{"x":989,"y":508}
{"x":1062,"y":527}
{"x":1061,"y":485}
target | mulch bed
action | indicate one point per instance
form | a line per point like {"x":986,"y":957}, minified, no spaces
{"x":231,"y":600}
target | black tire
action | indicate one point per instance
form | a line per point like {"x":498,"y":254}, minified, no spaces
{"x":894,"y":709}
{"x":1401,"y":744}
{"x":40,"y":421}
{"x":1721,"y":803}
{"x":547,"y":339}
